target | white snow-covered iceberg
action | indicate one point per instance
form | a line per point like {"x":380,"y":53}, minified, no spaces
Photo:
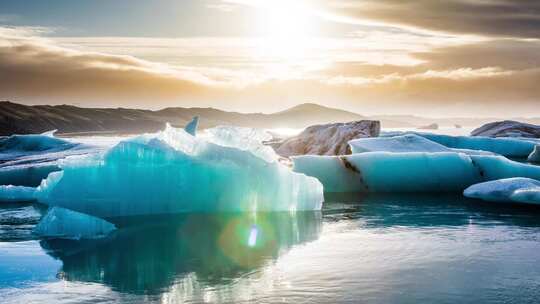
{"x":68,"y":224}
{"x":174,"y":172}
{"x":517,"y":190}
{"x":510,"y":147}
{"x":409,"y":172}
{"x":404,"y":143}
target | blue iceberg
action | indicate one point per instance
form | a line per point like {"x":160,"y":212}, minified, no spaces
{"x":174,"y":172}
{"x":391,"y":172}
{"x":25,"y":160}
{"x":510,"y":190}
{"x":386,"y":172}
{"x":11,"y":193}
{"x":191,"y":127}
{"x":67,"y":224}
{"x":33,"y":143}
{"x":26,"y":174}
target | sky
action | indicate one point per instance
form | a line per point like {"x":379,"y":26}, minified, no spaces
{"x":476,"y":58}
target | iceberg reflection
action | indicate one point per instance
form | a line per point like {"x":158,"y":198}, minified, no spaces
{"x":187,"y":252}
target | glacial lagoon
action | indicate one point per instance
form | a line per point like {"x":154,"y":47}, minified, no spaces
{"x":358,"y":249}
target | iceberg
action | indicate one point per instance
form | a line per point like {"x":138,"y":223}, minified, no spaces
{"x":29,"y":175}
{"x":33,"y":143}
{"x":391,"y":172}
{"x":508,"y":128}
{"x":25,"y":160}
{"x":67,"y":224}
{"x":191,"y":127}
{"x":510,"y":147}
{"x":517,"y":190}
{"x":404,"y":143}
{"x":10,"y":193}
{"x":328,"y":139}
{"x":386,"y":172}
{"x":174,"y":172}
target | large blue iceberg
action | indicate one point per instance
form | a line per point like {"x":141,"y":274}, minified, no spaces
{"x":409,"y":172}
{"x":510,"y":190}
{"x":174,"y":172}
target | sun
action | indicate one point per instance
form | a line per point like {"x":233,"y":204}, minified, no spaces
{"x":285,"y":29}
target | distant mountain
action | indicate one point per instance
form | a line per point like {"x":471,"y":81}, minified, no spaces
{"x":18,"y":118}
{"x":21,"y":119}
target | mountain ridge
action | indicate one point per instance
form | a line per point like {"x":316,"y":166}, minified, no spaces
{"x":17,"y":118}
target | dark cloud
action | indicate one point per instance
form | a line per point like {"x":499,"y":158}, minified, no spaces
{"x":502,"y":18}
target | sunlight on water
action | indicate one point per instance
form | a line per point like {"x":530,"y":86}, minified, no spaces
{"x":252,"y":236}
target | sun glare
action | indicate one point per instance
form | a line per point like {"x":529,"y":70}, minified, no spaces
{"x":285,"y":29}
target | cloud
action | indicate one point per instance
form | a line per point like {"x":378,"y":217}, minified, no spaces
{"x":495,"y":18}
{"x":34,"y":68}
{"x":444,"y":79}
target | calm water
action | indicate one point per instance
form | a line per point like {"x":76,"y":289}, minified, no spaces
{"x":385,"y":249}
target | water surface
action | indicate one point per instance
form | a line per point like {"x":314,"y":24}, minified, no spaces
{"x":375,"y":249}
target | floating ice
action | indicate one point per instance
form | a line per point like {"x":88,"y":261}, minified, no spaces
{"x":68,"y":224}
{"x":10,"y":193}
{"x":191,"y":127}
{"x":519,"y":190}
{"x":403,"y":143}
{"x":26,"y":174}
{"x":534,"y":157}
{"x":409,"y":172}
{"x":390,"y":172}
{"x":498,"y":167}
{"x":507,"y":128}
{"x":33,"y":143}
{"x":511,"y":147}
{"x":27,"y":159}
{"x":174,"y":172}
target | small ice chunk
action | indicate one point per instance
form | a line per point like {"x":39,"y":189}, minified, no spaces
{"x":519,"y":190}
{"x":191,"y":127}
{"x":67,"y":224}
